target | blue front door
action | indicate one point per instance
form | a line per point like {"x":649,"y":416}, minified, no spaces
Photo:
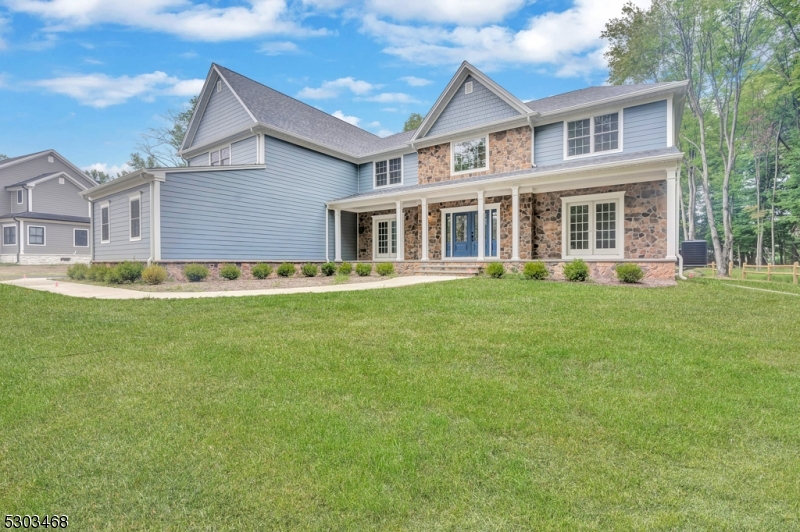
{"x":465,"y":238}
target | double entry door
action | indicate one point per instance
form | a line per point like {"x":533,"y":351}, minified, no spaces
{"x":461,"y":229}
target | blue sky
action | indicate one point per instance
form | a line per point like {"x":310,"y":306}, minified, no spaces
{"x":87,"y":77}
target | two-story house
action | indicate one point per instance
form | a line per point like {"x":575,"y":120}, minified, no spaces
{"x":487,"y":177}
{"x":43,"y":216}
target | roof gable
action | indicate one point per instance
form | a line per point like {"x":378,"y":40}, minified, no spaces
{"x":26,"y":167}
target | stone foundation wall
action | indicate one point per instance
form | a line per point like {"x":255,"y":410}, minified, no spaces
{"x":50,"y":259}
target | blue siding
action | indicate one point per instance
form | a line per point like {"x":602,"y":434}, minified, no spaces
{"x":223,"y":116}
{"x":548,"y":145}
{"x":244,"y":151}
{"x":349,"y":235}
{"x":410,"y":167}
{"x":272,"y":214}
{"x":120,"y":247}
{"x":466,"y":110}
{"x":199,"y":160}
{"x":365,"y":177}
{"x":644,"y":127}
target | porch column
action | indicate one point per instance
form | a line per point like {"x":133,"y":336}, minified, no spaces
{"x":337,"y":229}
{"x":481,"y":227}
{"x":401,"y":239}
{"x":424,"y":237}
{"x":672,"y":214}
{"x":515,"y":223}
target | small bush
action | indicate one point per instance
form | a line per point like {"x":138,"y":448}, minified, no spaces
{"x":129,"y":272}
{"x":78,"y":272}
{"x":384,"y":269}
{"x":363,"y":269}
{"x":629,"y":273}
{"x":345,"y":268}
{"x":154,"y":274}
{"x":113,"y":276}
{"x":195,"y":272}
{"x":495,"y":270}
{"x":230,"y":272}
{"x":286,"y":269}
{"x":535,"y":270}
{"x":261,"y":271}
{"x":577,"y":270}
{"x":328,"y":269}
{"x":309,"y":270}
{"x":97,"y":273}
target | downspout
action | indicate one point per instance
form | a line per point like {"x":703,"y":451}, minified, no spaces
{"x":152,"y":226}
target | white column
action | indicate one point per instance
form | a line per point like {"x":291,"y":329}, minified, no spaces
{"x":21,"y":238}
{"x":515,"y":223}
{"x":327,"y":234}
{"x":672,"y":214}
{"x":481,"y":227}
{"x":424,"y":215}
{"x":337,"y":228}
{"x":401,"y":238}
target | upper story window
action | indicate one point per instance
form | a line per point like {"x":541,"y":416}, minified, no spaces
{"x":105,"y":229}
{"x":593,"y":135}
{"x":389,"y":172}
{"x":136,"y":216}
{"x":469,"y":155}
{"x":221,"y":157}
{"x":19,"y":197}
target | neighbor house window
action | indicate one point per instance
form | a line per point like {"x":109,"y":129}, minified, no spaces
{"x":593,"y":225}
{"x":389,"y":172}
{"x":385,"y":236}
{"x":593,"y":135}
{"x":35,"y":235}
{"x":19,"y":197}
{"x":136,"y":217}
{"x":10,"y":235}
{"x":105,"y":230}
{"x":469,"y":155}
{"x":221,"y":157}
{"x":81,"y":238}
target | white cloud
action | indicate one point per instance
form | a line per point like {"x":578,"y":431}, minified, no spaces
{"x":91,"y":61}
{"x":392,"y":97}
{"x":111,"y":170}
{"x":101,"y":90}
{"x":4,"y":25}
{"x":354,"y":120}
{"x":278,"y":48}
{"x":332,"y":89}
{"x":415,"y":81}
{"x":466,"y":12}
{"x":385,"y":133}
{"x":201,"y":22}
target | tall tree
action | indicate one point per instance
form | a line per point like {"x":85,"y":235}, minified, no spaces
{"x":3,"y":156}
{"x":158,"y":147}
{"x":413,"y":122}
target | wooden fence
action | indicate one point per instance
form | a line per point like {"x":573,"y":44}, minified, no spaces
{"x":771,"y":269}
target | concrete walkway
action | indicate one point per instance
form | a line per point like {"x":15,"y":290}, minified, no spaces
{"x":106,"y":292}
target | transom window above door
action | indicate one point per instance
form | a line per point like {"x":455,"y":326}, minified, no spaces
{"x":389,"y":172}
{"x":592,"y":135}
{"x":469,"y":155}
{"x":593,"y":226}
{"x":220,"y":157}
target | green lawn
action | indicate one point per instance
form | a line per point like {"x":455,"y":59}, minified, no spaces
{"x":469,"y":405}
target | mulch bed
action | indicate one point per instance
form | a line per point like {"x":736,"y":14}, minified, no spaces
{"x":251,"y":284}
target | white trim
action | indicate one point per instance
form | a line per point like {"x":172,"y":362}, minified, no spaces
{"x":453,"y":155}
{"x":327,"y":234}
{"x":481,"y":222}
{"x":74,"y":239}
{"x":425,"y":237}
{"x":592,"y":199}
{"x":105,"y":205}
{"x":386,"y":256}
{"x":672,"y":214}
{"x":137,"y":196}
{"x":219,"y":150}
{"x":481,"y":245}
{"x":388,"y":184}
{"x":670,"y":123}
{"x":16,"y":238}
{"x":30,"y":200}
{"x":20,"y":237}
{"x":514,"y":223}
{"x":44,"y":235}
{"x":401,"y":233}
{"x":468,"y":87}
{"x":155,"y":229}
{"x":337,"y":232}
{"x":592,"y":152}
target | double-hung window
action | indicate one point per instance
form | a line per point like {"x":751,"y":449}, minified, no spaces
{"x":105,"y":228}
{"x":9,"y":235}
{"x":389,"y":172}
{"x":593,"y":226}
{"x":136,"y":216}
{"x":593,"y":135}
{"x":80,"y":238}
{"x":385,"y":236}
{"x":221,"y":157}
{"x":35,"y":235}
{"x":469,"y":155}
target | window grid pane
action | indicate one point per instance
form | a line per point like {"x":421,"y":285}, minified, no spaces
{"x":579,"y":227}
{"x":605,"y":226}
{"x":9,"y":236}
{"x":606,"y":132}
{"x":214,"y":158}
{"x":135,"y":233}
{"x":104,"y":232}
{"x":395,"y":171}
{"x":578,"y":137}
{"x":36,"y":236}
{"x":81,"y":238}
{"x":394,"y":237}
{"x":380,"y":174}
{"x":225,"y":157}
{"x":383,"y":238}
{"x":469,"y":155}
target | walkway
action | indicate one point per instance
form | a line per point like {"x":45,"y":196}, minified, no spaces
{"x":107,"y":292}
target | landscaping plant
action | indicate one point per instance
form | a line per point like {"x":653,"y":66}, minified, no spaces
{"x":577,"y":270}
{"x":230,"y":272}
{"x":345,"y":268}
{"x":328,"y":269}
{"x":363,"y":269}
{"x":78,"y":271}
{"x":536,"y":271}
{"x":195,"y":272}
{"x":495,"y":270}
{"x":629,"y":272}
{"x":154,"y":274}
{"x":261,"y":271}
{"x":309,"y":270}
{"x":97,"y":272}
{"x":286,"y":269}
{"x":384,"y":269}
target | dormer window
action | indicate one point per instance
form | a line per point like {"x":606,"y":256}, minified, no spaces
{"x":221,"y":157}
{"x":593,"y":135}
{"x":389,"y":172}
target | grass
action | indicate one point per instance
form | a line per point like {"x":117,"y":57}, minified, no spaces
{"x":783,"y":275}
{"x":468,"y":405}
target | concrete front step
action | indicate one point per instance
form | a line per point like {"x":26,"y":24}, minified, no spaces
{"x":449,"y":269}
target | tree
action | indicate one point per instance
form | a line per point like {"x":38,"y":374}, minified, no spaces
{"x":100,"y":177}
{"x":159,"y":146}
{"x":3,"y":157}
{"x":413,"y":122}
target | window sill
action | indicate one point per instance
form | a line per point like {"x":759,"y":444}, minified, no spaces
{"x":593,"y":257}
{"x":474,"y":170}
{"x":381,"y":187}
{"x":137,"y":239}
{"x":593,"y":154}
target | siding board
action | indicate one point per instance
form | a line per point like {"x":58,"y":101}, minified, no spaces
{"x":223,"y":116}
{"x":482,"y":106}
{"x":245,"y":151}
{"x":120,"y":247}
{"x":58,"y":240}
{"x":52,"y":197}
{"x":644,"y":127}
{"x":549,"y":144}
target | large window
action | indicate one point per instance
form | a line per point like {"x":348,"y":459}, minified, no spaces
{"x":389,"y":172}
{"x":35,"y":235}
{"x":80,"y":238}
{"x":385,"y":236}
{"x":136,"y":217}
{"x":469,"y":155}
{"x":221,"y":157}
{"x":593,"y":135}
{"x":105,"y":229}
{"x":593,"y":225}
{"x":9,"y":235}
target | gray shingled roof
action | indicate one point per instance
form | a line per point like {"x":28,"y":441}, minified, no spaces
{"x":587,"y":95}
{"x":46,"y":216}
{"x":30,"y":179}
{"x":577,"y":164}
{"x":293,"y":116}
{"x":17,"y":158}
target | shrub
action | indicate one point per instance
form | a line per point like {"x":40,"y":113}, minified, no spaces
{"x":363,"y":269}
{"x":129,"y":272}
{"x":154,"y":274}
{"x":535,"y":270}
{"x":577,"y":270}
{"x":113,"y":276}
{"x":629,"y":273}
{"x":195,"y":272}
{"x":261,"y":271}
{"x":328,"y":269}
{"x":97,"y":273}
{"x":309,"y":270}
{"x":230,"y":272}
{"x":385,"y":268}
{"x":345,"y":268}
{"x":78,"y":272}
{"x":495,"y":269}
{"x":286,"y":269}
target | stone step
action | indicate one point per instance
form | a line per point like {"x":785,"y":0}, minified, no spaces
{"x":449,"y":269}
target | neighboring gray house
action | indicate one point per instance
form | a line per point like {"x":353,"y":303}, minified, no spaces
{"x":486,"y":177}
{"x":44,"y":218}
